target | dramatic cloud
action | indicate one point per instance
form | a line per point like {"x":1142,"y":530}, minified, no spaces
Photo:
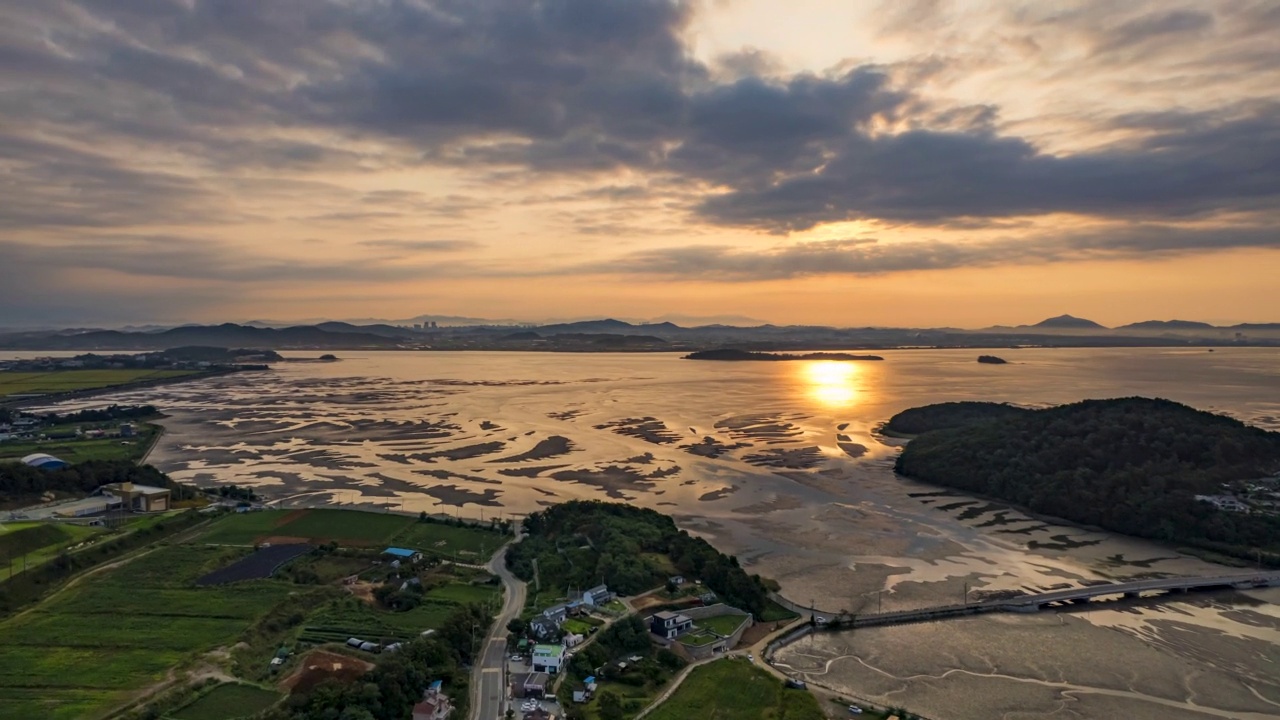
{"x":869,"y":257}
{"x":233,"y":143}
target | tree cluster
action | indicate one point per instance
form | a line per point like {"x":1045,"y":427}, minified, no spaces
{"x":84,"y":477}
{"x":395,"y":685}
{"x":1131,"y":465}
{"x":941,"y":416}
{"x":233,"y":492}
{"x":106,"y":414}
{"x":580,"y":544}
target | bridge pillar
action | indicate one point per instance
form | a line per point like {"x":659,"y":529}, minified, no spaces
{"x":1131,"y":595}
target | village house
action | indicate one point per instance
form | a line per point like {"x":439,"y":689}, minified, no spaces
{"x":584,"y":692}
{"x":435,"y":704}
{"x":668,"y":625}
{"x":548,"y":658}
{"x":1229,"y":503}
{"x":557,"y":613}
{"x":543,"y":628}
{"x":597,"y":596}
{"x":532,"y":685}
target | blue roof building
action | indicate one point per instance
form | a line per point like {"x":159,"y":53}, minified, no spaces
{"x":44,"y":462}
{"x":401,"y":553}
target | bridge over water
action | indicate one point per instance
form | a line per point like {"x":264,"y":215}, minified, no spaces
{"x":1035,"y":602}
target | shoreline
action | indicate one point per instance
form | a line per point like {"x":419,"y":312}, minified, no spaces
{"x":51,"y":398}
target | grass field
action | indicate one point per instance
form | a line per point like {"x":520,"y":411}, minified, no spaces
{"x":44,"y":383}
{"x":357,"y":528}
{"x":76,"y":450}
{"x":38,"y":542}
{"x":227,"y":702}
{"x":774,"y":612}
{"x":82,"y":651}
{"x":736,"y":690}
{"x":721,"y":624}
{"x":353,"y":618}
{"x":698,"y":638}
{"x":346,"y":527}
{"x":466,"y":544}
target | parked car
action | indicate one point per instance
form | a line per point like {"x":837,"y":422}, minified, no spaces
{"x":855,"y":710}
{"x":795,"y":684}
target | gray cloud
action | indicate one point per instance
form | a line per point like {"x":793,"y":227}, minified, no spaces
{"x":195,"y":259}
{"x":869,"y":257}
{"x":1158,"y":26}
{"x":526,"y":89}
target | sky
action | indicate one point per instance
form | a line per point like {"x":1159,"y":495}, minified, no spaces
{"x":917,"y":163}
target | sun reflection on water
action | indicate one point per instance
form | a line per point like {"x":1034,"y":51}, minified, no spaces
{"x":831,"y":383}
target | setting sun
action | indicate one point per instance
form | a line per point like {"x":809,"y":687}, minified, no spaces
{"x":833,"y":384}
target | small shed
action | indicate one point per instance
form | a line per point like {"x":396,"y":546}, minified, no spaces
{"x":403,"y":554}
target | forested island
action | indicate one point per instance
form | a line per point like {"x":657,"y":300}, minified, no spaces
{"x":732,"y":354}
{"x":992,"y":360}
{"x":941,"y":416}
{"x":1130,"y":465}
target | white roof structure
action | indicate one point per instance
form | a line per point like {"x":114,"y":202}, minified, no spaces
{"x":39,"y":459}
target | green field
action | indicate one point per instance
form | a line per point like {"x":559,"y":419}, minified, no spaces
{"x":773,"y":612}
{"x":465,"y":544}
{"x":353,"y":618}
{"x":76,"y":450}
{"x":82,"y":651}
{"x":736,"y":690}
{"x":721,"y":624}
{"x":346,"y":527}
{"x":26,"y":545}
{"x":698,"y":638}
{"x":57,"y":381}
{"x":227,"y":702}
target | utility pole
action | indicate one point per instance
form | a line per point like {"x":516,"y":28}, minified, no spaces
{"x":879,"y":595}
{"x":966,"y":593}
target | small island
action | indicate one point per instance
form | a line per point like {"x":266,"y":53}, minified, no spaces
{"x":992,"y":360}
{"x":1151,"y":468}
{"x":739,"y":355}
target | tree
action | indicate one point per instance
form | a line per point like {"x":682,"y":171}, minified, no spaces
{"x":517,"y":626}
{"x":610,"y":706}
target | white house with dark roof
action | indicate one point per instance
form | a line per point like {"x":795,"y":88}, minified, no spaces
{"x":668,"y":624}
{"x":597,"y":596}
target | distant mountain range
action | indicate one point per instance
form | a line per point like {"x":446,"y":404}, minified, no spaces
{"x":615,"y":335}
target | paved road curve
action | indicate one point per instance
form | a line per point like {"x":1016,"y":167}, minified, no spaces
{"x":488,"y":677}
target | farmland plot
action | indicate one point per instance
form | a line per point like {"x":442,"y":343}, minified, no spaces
{"x":89,"y":646}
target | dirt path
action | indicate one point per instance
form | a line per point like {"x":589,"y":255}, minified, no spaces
{"x":78,"y":578}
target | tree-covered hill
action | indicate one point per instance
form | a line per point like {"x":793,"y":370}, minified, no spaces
{"x":18,"y":481}
{"x":940,"y":416}
{"x":1131,"y":465}
{"x":580,"y":544}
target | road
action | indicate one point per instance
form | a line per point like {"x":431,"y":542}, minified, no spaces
{"x":488,"y":677}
